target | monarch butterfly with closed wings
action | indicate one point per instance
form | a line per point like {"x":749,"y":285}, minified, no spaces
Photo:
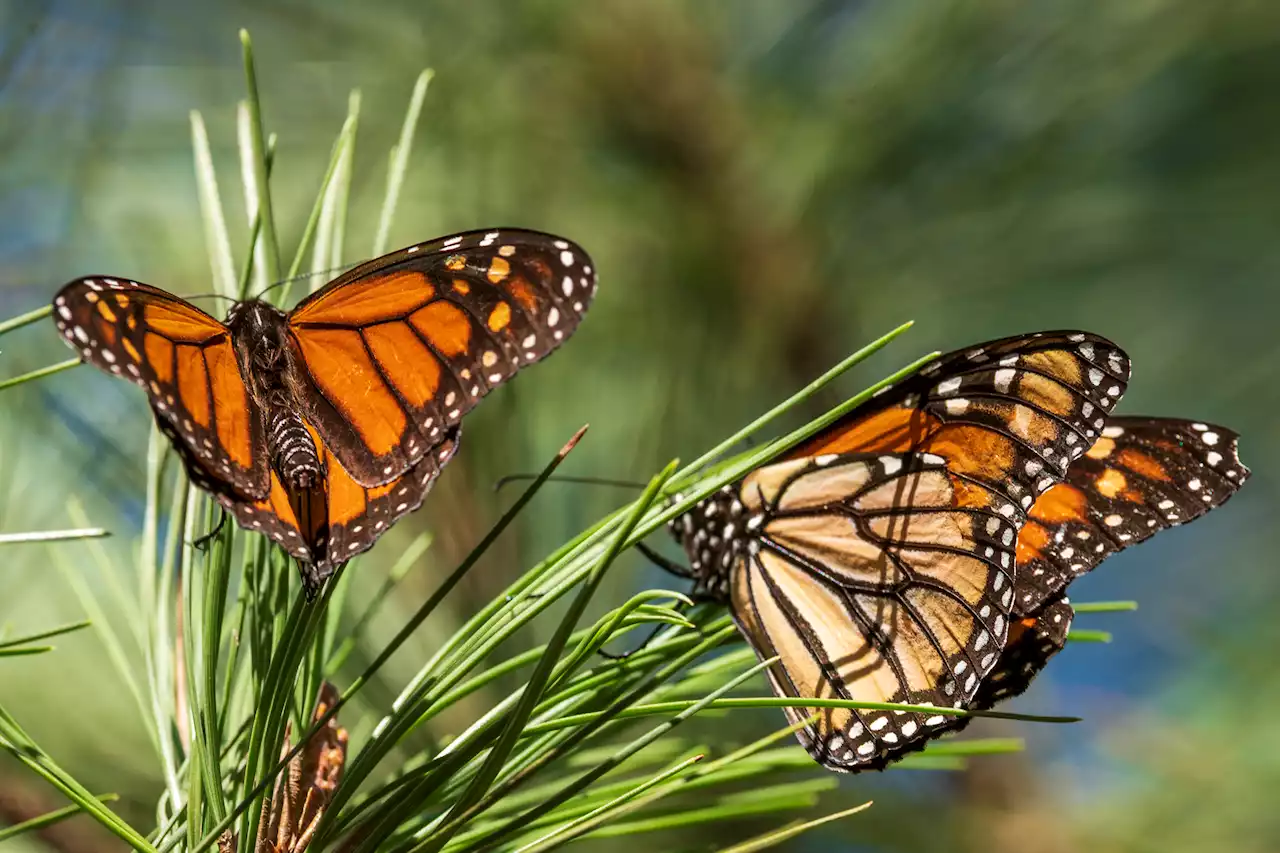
{"x":916,"y":550}
{"x":323,"y":426}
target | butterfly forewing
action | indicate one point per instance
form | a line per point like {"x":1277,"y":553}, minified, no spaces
{"x":184,"y":360}
{"x":1010,"y":414}
{"x":398,"y":350}
{"x":877,"y":579}
{"x":1141,"y":476}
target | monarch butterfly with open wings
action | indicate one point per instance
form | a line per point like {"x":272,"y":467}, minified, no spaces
{"x":883,"y":560}
{"x":323,"y":426}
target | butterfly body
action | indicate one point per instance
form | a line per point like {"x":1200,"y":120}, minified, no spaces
{"x":260,"y":336}
{"x":322,"y":426}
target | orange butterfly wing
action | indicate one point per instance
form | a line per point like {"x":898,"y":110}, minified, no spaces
{"x":1143,"y":475}
{"x":1010,"y":414}
{"x":397,"y":350}
{"x":184,"y":360}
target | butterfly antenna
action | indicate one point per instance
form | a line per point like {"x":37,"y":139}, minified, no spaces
{"x":210,"y":296}
{"x":590,"y":481}
{"x":624,"y":655}
{"x":306,"y":275}
{"x":680,"y":608}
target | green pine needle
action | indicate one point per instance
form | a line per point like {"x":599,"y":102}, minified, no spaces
{"x":1083,"y":636}
{"x":1104,"y":606}
{"x":42,"y":372}
{"x":45,"y":821}
{"x":33,"y":316}
{"x":53,"y":535}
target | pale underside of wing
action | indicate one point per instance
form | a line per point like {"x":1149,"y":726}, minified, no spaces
{"x":875,"y":579}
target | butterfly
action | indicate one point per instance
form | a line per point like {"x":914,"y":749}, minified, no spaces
{"x":323,"y":426}
{"x":876,"y":560}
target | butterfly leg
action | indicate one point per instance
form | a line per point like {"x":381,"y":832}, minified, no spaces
{"x":314,"y":577}
{"x":663,"y":563}
{"x":202,"y":544}
{"x":630,"y":652}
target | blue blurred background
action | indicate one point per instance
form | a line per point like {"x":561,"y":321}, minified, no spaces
{"x":764,"y":188}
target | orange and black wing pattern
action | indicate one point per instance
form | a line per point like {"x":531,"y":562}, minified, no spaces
{"x":338,"y":519}
{"x":1010,"y":414}
{"x":396,"y":351}
{"x":184,"y":360}
{"x":1141,"y":476}
{"x":877,"y":559}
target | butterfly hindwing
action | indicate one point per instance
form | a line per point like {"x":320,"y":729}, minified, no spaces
{"x":339,"y":519}
{"x":359,"y":515}
{"x":394,"y":352}
{"x":1141,"y":476}
{"x":184,"y":360}
{"x":1031,"y":643}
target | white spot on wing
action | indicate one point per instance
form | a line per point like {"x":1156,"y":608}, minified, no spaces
{"x":949,"y":386}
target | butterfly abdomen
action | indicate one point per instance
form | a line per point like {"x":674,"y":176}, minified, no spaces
{"x":292,"y":451}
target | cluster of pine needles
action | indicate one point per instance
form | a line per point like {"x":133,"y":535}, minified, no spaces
{"x":238,"y":689}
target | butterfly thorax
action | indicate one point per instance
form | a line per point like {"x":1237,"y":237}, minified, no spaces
{"x":259,"y":332}
{"x":715,"y":535}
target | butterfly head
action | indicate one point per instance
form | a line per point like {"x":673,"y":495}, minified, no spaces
{"x":259,"y":332}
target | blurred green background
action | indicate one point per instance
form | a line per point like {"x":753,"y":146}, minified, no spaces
{"x":764,"y":187}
